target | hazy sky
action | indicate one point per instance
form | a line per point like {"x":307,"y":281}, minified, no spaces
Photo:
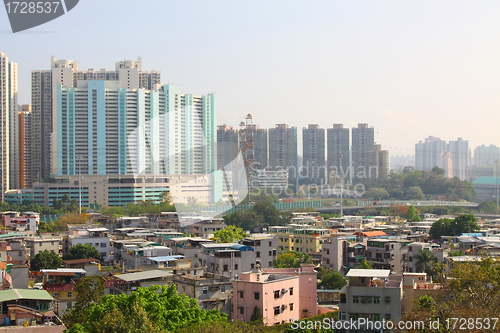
{"x":409,"y":68}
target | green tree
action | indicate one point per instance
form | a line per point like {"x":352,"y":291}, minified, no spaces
{"x":44,"y":227}
{"x":45,"y":260}
{"x":256,"y":316}
{"x":365,"y":265}
{"x":487,"y":207}
{"x":414,"y":193}
{"x":438,"y":171}
{"x":424,"y":262}
{"x":164,"y":311}
{"x":465,"y":223}
{"x":81,"y":251}
{"x":89,"y":291}
{"x":229,"y":234}
{"x":291,"y":259}
{"x":332,"y":280}
{"x":411,"y":214}
{"x":270,"y":215}
{"x":376,"y":193}
{"x":474,"y":292}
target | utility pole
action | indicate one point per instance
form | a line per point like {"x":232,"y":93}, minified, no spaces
{"x":79,"y":183}
{"x":496,"y":178}
{"x":341,"y":188}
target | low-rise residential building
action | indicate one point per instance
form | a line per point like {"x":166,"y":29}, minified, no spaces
{"x":126,"y":283}
{"x":342,"y":253}
{"x":308,"y":279}
{"x":207,"y":227}
{"x":276,"y":295}
{"x":46,"y":241}
{"x":212,"y":291}
{"x":60,"y":283}
{"x":227,"y":259}
{"x":189,"y":247}
{"x":20,"y":305}
{"x":415,"y":285}
{"x":135,"y":255}
{"x":373,"y":294}
{"x":265,"y":247}
{"x":309,"y":240}
{"x":284,"y":237}
{"x":388,"y":253}
{"x":98,"y":237}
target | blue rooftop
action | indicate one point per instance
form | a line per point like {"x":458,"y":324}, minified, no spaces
{"x":486,"y":180}
{"x":474,"y":234}
{"x":241,"y":247}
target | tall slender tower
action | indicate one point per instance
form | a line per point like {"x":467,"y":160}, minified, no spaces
{"x":363,"y":141}
{"x":9,"y":125}
{"x":338,"y":150}
{"x":313,"y":152}
{"x":283,"y":149}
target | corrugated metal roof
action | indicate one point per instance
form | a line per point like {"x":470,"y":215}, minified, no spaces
{"x":14,"y":294}
{"x":130,"y":277}
{"x":380,"y":273}
{"x":166,"y":258}
{"x":65,"y":270}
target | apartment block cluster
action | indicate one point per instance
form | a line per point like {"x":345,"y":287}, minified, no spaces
{"x":456,"y":159}
{"x":339,"y":152}
{"x":391,"y":246}
{"x":119,"y":133}
{"x":151,"y":250}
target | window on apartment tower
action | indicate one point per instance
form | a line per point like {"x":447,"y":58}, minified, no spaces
{"x":241,"y":310}
{"x":225,"y":268}
{"x":258,"y":254}
{"x":270,"y":243}
{"x":241,"y":293}
{"x":256,"y":295}
{"x":276,"y":294}
{"x":291,"y":291}
{"x":291,"y":306}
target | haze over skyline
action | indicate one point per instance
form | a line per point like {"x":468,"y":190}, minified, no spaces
{"x":410,"y":69}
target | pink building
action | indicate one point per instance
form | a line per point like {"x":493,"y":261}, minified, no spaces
{"x":308,"y":281}
{"x":282,"y":294}
{"x":276,"y":295}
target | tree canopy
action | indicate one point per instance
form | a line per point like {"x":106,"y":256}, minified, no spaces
{"x":418,"y":185}
{"x":376,"y":193}
{"x":473,"y":292}
{"x":365,"y":265}
{"x":45,"y":260}
{"x":425,"y":261}
{"x":89,"y":290}
{"x":229,"y":234}
{"x":262,"y":214}
{"x":291,"y":259}
{"x":331,"y":279}
{"x":81,"y":251}
{"x":464,"y":223}
{"x":154,"y":309}
{"x":411,"y":214}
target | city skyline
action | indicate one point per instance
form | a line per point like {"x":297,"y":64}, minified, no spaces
{"x":409,"y":70}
